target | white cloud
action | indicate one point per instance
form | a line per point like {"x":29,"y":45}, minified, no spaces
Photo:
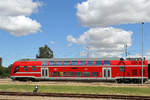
{"x":14,"y":16}
{"x":69,"y":45}
{"x":83,"y":53}
{"x":104,"y":42}
{"x":134,"y":56}
{"x":19,"y":25}
{"x":70,"y":38}
{"x":148,"y":54}
{"x":95,"y":13}
{"x":52,"y":42}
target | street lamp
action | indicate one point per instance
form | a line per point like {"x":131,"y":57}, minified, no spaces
{"x":142,"y":48}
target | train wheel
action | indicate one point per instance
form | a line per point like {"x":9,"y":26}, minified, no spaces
{"x":119,"y":81}
{"x":135,"y":81}
{"x":33,"y":80}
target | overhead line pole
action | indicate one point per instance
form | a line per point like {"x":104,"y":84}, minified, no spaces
{"x":142,"y":49}
{"x":87,"y":51}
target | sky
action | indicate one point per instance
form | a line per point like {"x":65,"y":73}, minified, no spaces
{"x":73,"y":28}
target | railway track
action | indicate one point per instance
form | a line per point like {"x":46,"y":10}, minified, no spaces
{"x":74,"y":83}
{"x":77,"y":95}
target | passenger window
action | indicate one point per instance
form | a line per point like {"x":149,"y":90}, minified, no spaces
{"x":33,"y":68}
{"x":74,"y":62}
{"x":52,"y":63}
{"x":70,"y":73}
{"x":121,"y":68}
{"x":86,"y":74}
{"x":106,"y":62}
{"x":25,"y":68}
{"x":94,"y":74}
{"x":134,"y":72}
{"x":66,"y":63}
{"x":81,"y":62}
{"x":55,"y":74}
{"x":98,"y":63}
{"x":90,"y":63}
{"x":64,"y":73}
{"x":78,"y":74}
{"x":59,"y":63}
{"x":60,"y":73}
{"x":44,"y":63}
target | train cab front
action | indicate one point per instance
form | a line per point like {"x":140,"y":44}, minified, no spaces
{"x":14,"y":70}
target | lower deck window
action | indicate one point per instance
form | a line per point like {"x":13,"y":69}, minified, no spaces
{"x":140,"y":72}
{"x":94,"y":74}
{"x":122,"y":68}
{"x":64,"y":73}
{"x":33,"y":68}
{"x":70,"y":73}
{"x":55,"y":74}
{"x":78,"y":74}
{"x":86,"y":74}
{"x":25,"y":68}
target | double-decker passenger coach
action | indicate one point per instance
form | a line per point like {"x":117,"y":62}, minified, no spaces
{"x":91,"y":69}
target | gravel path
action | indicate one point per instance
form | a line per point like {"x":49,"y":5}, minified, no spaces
{"x":75,"y":83}
{"x":2,"y":97}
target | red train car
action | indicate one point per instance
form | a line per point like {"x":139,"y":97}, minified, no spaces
{"x":80,"y":69}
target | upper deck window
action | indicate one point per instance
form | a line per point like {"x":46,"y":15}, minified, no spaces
{"x":44,"y":63}
{"x":66,"y":63}
{"x":90,"y":63}
{"x":59,"y":63}
{"x":98,"y":63}
{"x":74,"y":62}
{"x":106,"y":62}
{"x":81,"y":62}
{"x":52,"y":63}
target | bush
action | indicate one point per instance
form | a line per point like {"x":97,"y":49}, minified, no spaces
{"x":4,"y":72}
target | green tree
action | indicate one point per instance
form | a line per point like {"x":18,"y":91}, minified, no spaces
{"x":45,"y":52}
{"x":0,"y":61}
{"x":4,"y":71}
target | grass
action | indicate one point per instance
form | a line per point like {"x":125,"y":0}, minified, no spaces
{"x":78,"y":89}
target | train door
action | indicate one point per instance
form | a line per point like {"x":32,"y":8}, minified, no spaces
{"x":44,"y":72}
{"x":106,"y":73}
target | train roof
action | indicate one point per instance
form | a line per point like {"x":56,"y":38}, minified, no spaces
{"x":69,"y":59}
{"x":82,"y":59}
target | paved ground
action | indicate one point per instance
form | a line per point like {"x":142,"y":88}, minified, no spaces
{"x":2,"y":97}
{"x":70,"y":83}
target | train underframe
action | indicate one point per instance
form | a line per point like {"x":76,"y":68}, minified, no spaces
{"x":118,"y":80}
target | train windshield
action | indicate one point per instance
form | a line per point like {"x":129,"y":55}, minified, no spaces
{"x":16,"y":69}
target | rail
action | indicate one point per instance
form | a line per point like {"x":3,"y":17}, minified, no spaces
{"x":77,"y":95}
